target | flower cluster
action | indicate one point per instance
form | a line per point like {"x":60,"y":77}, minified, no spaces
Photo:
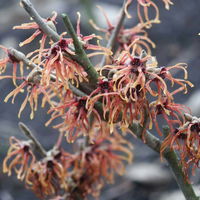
{"x":80,"y":173}
{"x":19,"y":157}
{"x":185,"y":139}
{"x":129,"y":88}
{"x":48,"y":176}
{"x":98,"y":163}
{"x":15,"y":64}
{"x":136,"y":78}
{"x":75,"y":117}
{"x":138,"y":33}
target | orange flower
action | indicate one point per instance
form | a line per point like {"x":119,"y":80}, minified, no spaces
{"x":111,"y":103}
{"x":76,"y":118}
{"x":13,"y":60}
{"x":104,"y":90}
{"x":129,"y":81}
{"x":136,"y":35}
{"x":62,"y":67}
{"x":49,"y":176}
{"x":159,"y":77}
{"x":99,"y":162}
{"x":185,"y":140}
{"x":130,"y":73}
{"x":20,"y":158}
{"x":143,"y":13}
{"x":110,"y":28}
{"x":170,"y":111}
{"x":34,"y":89}
{"x":40,"y":178}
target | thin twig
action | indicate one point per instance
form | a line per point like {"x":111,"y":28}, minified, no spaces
{"x":177,"y":170}
{"x":30,"y":135}
{"x":115,"y":32}
{"x":80,"y":56}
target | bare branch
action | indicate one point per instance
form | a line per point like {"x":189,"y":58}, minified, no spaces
{"x":31,"y":136}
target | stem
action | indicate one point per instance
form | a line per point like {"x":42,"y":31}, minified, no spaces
{"x":76,"y":91}
{"x":150,"y":140}
{"x":115,"y":32}
{"x":80,"y":56}
{"x":171,"y":157}
{"x":30,"y":135}
{"x":176,"y":168}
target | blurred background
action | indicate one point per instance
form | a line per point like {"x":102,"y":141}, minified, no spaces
{"x":176,"y":39}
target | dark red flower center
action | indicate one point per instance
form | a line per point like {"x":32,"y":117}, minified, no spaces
{"x":195,"y":127}
{"x":63,"y":44}
{"x":134,"y":71}
{"x":54,"y":50}
{"x":159,"y":109}
{"x":136,"y":90}
{"x":81,"y":103}
{"x":136,"y":62}
{"x":50,"y":164}
{"x":12,"y":58}
{"x":104,"y":85}
{"x":26,"y":148}
{"x":181,"y":136}
{"x":163,"y":72}
{"x":58,"y":155}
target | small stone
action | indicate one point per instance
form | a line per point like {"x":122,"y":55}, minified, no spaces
{"x":148,"y":174}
